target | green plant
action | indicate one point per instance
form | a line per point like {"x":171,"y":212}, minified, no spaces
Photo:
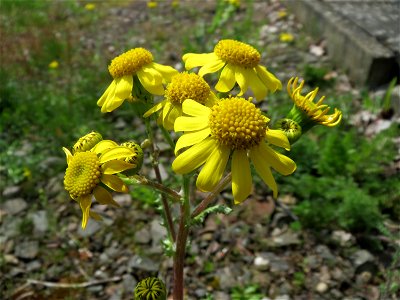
{"x":249,"y":292}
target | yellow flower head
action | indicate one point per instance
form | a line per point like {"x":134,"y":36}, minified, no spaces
{"x":315,"y":112}
{"x":88,"y":170}
{"x":286,"y":37}
{"x":232,"y":128}
{"x":239,"y":63}
{"x":152,"y":4}
{"x":138,"y":63}
{"x":87,"y":142}
{"x":54,"y":64}
{"x":90,"y":6}
{"x":183,"y":86}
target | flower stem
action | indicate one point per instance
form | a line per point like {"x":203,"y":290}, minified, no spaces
{"x":167,"y":210}
{"x":155,"y":185}
{"x":211,"y":196}
{"x":183,"y":232}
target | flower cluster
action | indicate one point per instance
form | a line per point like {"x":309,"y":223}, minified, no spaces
{"x":218,"y":133}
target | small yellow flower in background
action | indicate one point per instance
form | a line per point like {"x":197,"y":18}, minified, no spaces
{"x":175,"y":3}
{"x":232,"y":128}
{"x":138,"y":63}
{"x":286,"y":37}
{"x":90,"y":6}
{"x":54,"y":64}
{"x":152,"y":4}
{"x":305,"y":112}
{"x":235,"y":3}
{"x":282,"y":13}
{"x":239,"y":63}
{"x":87,"y":170}
{"x":183,"y":86}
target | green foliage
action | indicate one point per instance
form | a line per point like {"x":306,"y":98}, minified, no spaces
{"x":222,"y":209}
{"x":250,"y":292}
{"x":341,"y":179}
{"x":316,"y":76}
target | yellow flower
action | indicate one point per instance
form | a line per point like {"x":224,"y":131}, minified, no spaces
{"x":129,"y":68}
{"x":90,"y":6}
{"x":53,"y":65}
{"x":286,"y":37}
{"x":233,"y":128}
{"x":175,"y":3}
{"x":87,"y":170}
{"x":239,"y":63}
{"x":235,"y":3}
{"x":307,"y":113}
{"x":152,"y":4}
{"x":282,"y":13}
{"x":183,"y":86}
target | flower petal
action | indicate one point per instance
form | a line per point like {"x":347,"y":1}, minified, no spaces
{"x":241,"y":75}
{"x":155,"y":108}
{"x":193,"y":157}
{"x":211,"y":67}
{"x":110,"y":90}
{"x":85,"y":202}
{"x":115,"y":183}
{"x":166,"y":72}
{"x":116,"y":166}
{"x":263,"y":169}
{"x":104,"y":197}
{"x":278,"y":138}
{"x":193,"y":60}
{"x":195,"y":109}
{"x":211,"y":174}
{"x":95,"y":215}
{"x":175,"y":112}
{"x":269,"y":79}
{"x":67,"y":154}
{"x":279,"y":162}
{"x":226,"y":80}
{"x":257,"y":86}
{"x":241,"y":176}
{"x":151,"y":80}
{"x":190,"y":123}
{"x":103,"y":145}
{"x":116,"y":153}
{"x":123,"y":90}
{"x":191,"y":138}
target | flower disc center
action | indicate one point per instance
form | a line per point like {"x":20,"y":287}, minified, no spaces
{"x":237,"y":123}
{"x":237,"y":53}
{"x":130,"y":62}
{"x":83,"y":174}
{"x":187,"y":86}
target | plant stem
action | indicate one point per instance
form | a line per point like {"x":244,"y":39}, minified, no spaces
{"x":183,"y":232}
{"x":155,"y":185}
{"x":211,"y":196}
{"x":154,"y":154}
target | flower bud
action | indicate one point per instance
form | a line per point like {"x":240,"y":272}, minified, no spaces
{"x":136,"y":159}
{"x":290,"y":128}
{"x":150,"y":288}
{"x":87,"y":142}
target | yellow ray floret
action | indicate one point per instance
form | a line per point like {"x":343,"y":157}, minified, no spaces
{"x":317,"y":112}
{"x":232,"y":128}
{"x":87,"y":170}
{"x":239,"y":63}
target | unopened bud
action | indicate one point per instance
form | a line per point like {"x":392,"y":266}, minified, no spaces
{"x":290,"y":128}
{"x":150,"y":288}
{"x":87,"y":142}
{"x":136,"y":159}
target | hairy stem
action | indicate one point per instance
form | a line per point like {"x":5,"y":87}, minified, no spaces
{"x":211,"y":196}
{"x":154,"y":154}
{"x":155,"y":185}
{"x":183,"y":232}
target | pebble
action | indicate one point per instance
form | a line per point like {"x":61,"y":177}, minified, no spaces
{"x":11,"y":191}
{"x":343,"y":238}
{"x":15,"y":206}
{"x":142,"y":236}
{"x":360,"y":257}
{"x":91,"y":228}
{"x":40,"y":221}
{"x":27,"y":250}
{"x":129,"y":282}
{"x":321,"y":287}
{"x":143,"y":263}
{"x":261,"y":263}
